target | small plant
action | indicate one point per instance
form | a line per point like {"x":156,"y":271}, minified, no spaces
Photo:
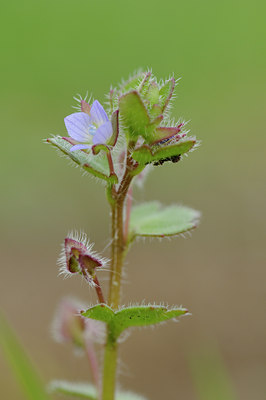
{"x":118,"y":145}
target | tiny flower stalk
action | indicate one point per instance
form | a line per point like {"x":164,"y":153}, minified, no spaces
{"x":98,"y":289}
{"x":118,"y":146}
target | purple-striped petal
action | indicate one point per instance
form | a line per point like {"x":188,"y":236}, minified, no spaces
{"x":103,"y":133}
{"x":98,"y":114}
{"x":78,"y":126}
{"x":80,"y":147}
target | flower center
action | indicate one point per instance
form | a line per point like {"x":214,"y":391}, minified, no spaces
{"x":92,"y":129}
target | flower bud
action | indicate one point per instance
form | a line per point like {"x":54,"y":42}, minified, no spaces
{"x":77,"y":257}
{"x":144,"y":109}
{"x":70,"y":327}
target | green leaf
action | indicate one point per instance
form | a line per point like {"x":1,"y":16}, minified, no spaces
{"x":146,"y":154}
{"x":153,"y":93}
{"x":96,"y":165}
{"x":156,"y":110}
{"x":144,"y":316}
{"x":166,"y":92}
{"x":134,"y":115}
{"x":132,"y":83}
{"x":80,"y":390}
{"x":145,"y":83}
{"x":120,"y":320}
{"x":101,"y":312}
{"x":20,"y":364}
{"x":163,"y":133}
{"x":152,"y":128}
{"x":87,"y":391}
{"x":151,"y":219}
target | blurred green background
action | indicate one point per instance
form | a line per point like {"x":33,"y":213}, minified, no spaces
{"x":52,"y":50}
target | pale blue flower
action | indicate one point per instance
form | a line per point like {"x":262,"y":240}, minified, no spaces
{"x":89,"y":129}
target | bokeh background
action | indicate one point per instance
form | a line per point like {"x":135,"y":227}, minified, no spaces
{"x":52,"y":50}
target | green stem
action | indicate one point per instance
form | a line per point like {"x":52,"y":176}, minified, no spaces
{"x":109,"y":369}
{"x":128,"y":211}
{"x":110,"y":356}
{"x":119,"y":247}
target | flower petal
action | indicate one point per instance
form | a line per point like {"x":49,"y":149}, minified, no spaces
{"x":98,"y":114}
{"x":78,"y":126}
{"x":103,"y":133}
{"x":80,"y":147}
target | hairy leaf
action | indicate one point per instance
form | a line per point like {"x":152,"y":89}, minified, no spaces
{"x":151,"y":219}
{"x":156,"y":110}
{"x":132,"y":83}
{"x":96,"y":165}
{"x":164,"y":133}
{"x":101,"y":312}
{"x":145,"y":83}
{"x":120,"y":320}
{"x":134,"y":114}
{"x":166,"y":92}
{"x":153,"y":93}
{"x":143,"y":316}
{"x":146,"y":154}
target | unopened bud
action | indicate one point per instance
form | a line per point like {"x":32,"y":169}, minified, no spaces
{"x":70,"y":327}
{"x":78,"y":257}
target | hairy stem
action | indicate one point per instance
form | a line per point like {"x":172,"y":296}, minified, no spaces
{"x":119,"y":247}
{"x":128,"y":211}
{"x":109,"y":370}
